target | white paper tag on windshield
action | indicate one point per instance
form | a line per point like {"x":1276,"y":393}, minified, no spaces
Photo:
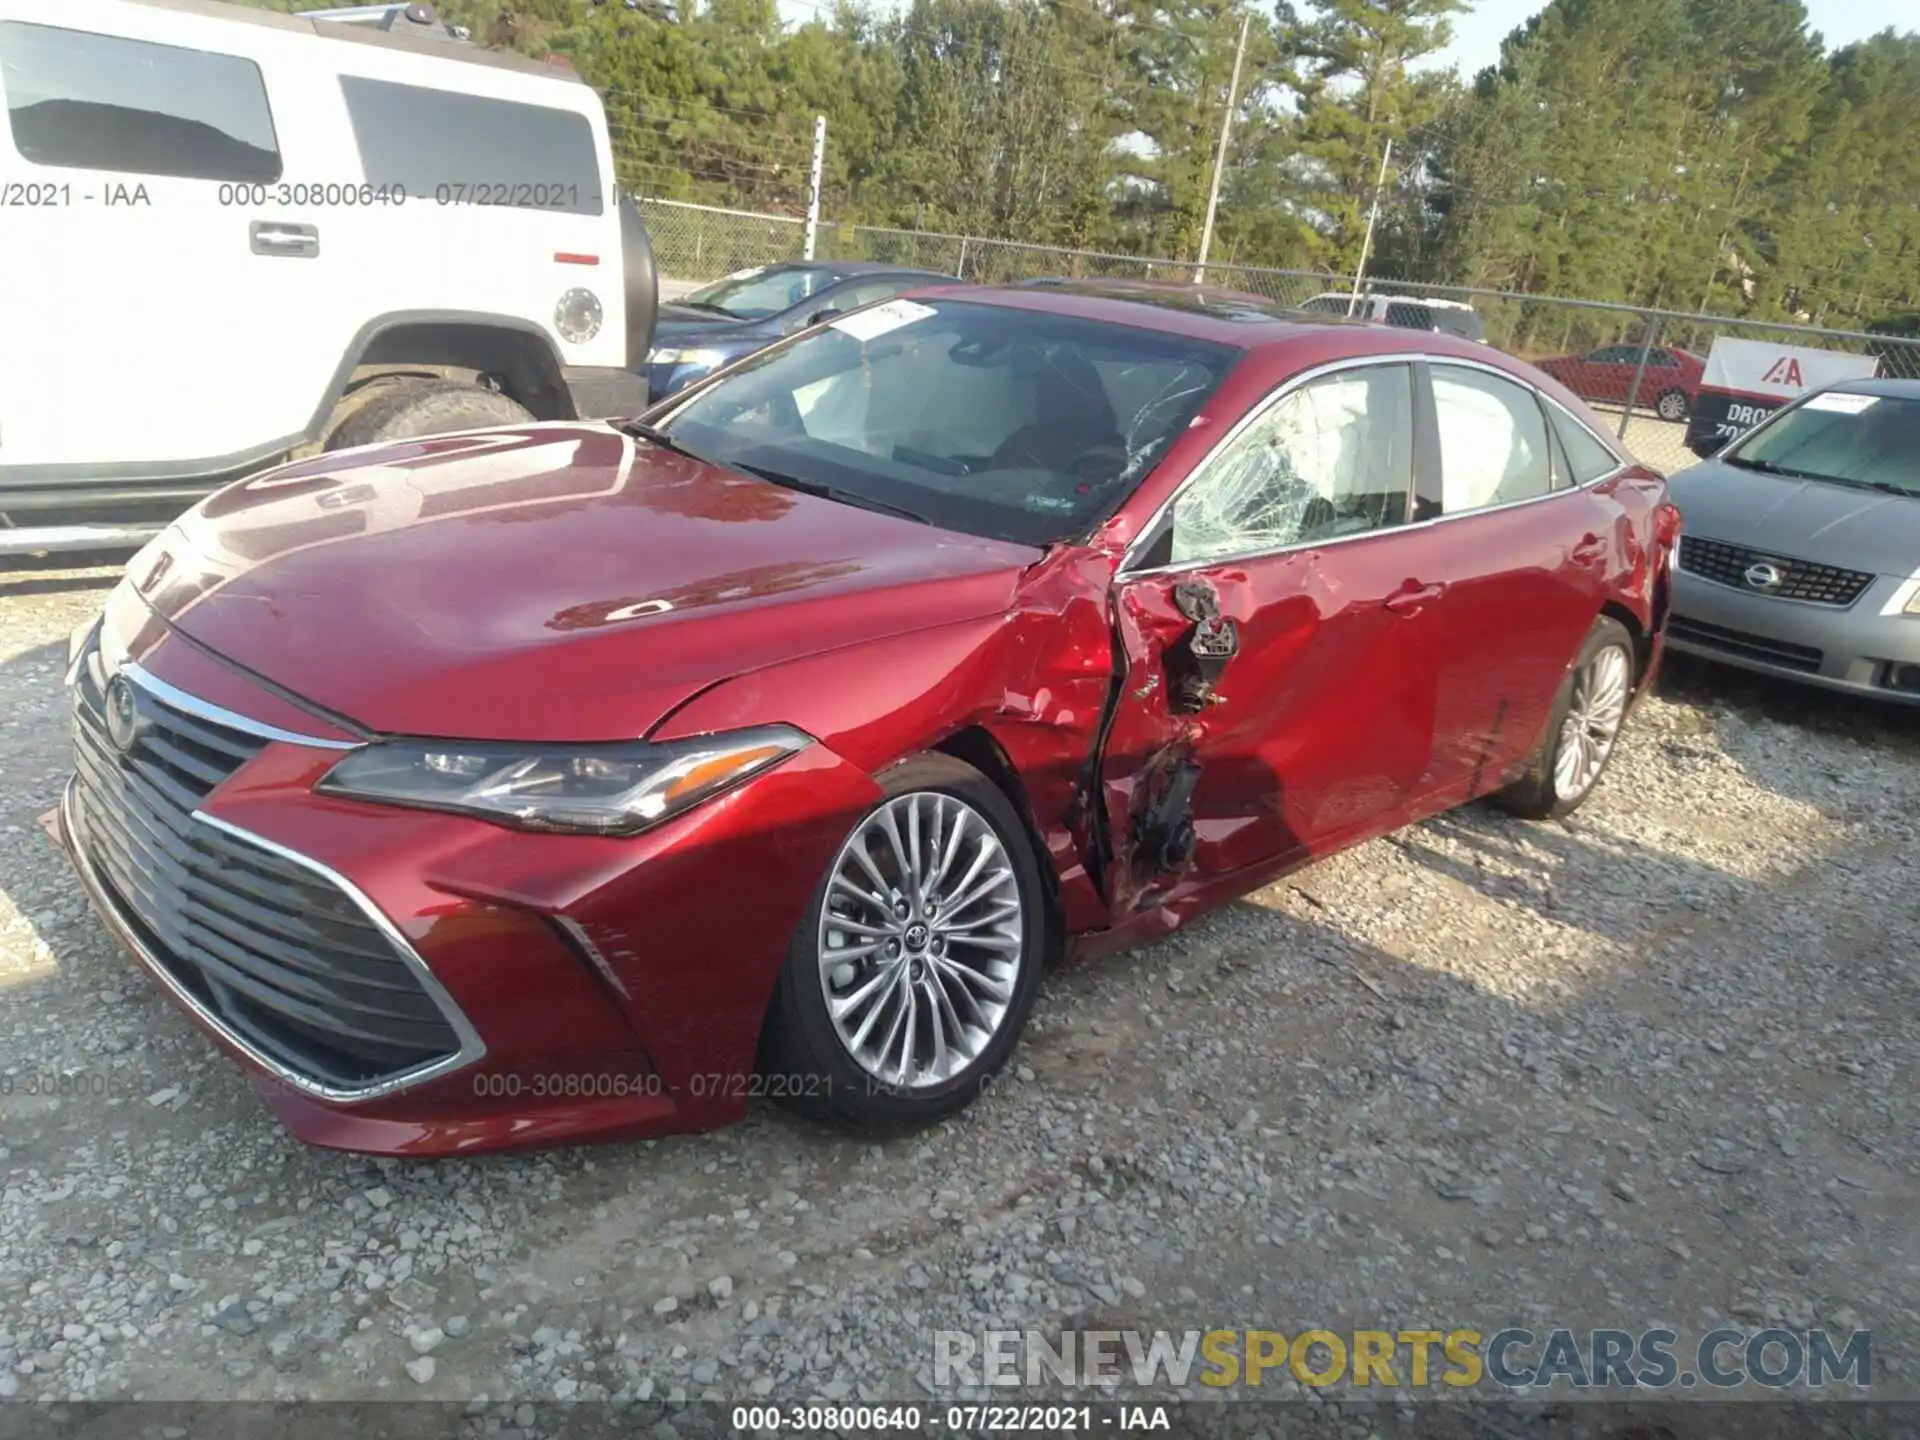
{"x":1840,"y":403}
{"x":878,"y":320}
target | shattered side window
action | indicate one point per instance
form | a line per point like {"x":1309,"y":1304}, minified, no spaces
{"x":1331,"y":459}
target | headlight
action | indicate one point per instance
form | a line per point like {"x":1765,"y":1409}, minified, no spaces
{"x":706,"y":359}
{"x":77,"y":643}
{"x":1913,"y":603}
{"x":616,"y":789}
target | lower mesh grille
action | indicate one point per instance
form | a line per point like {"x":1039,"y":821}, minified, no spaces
{"x":276,"y":951}
{"x":1745,"y":644}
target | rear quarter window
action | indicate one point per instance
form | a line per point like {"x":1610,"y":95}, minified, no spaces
{"x":1464,"y":323}
{"x":457,"y":149}
{"x":100,"y":102}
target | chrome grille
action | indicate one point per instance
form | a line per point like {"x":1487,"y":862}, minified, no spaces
{"x":274,"y":950}
{"x":1803,"y":580}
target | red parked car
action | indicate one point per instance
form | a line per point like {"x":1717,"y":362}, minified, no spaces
{"x":574,"y":781}
{"x":1670,"y":386}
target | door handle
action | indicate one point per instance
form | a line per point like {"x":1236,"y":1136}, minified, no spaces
{"x":1590,"y":551}
{"x":274,"y":237}
{"x":1413,"y":597}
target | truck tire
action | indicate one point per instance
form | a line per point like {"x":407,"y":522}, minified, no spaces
{"x":426,"y":407}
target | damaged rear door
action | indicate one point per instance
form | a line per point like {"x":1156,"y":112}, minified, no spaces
{"x":1278,"y":629}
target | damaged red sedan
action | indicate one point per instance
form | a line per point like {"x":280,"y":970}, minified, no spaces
{"x":573,"y":782}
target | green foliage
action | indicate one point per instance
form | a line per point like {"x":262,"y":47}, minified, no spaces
{"x":1693,"y":154}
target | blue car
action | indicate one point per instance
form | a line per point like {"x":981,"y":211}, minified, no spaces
{"x":747,"y":311}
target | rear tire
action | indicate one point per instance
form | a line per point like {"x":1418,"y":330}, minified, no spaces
{"x":1582,"y":729}
{"x":965,"y":965}
{"x":426,"y":407}
{"x":1672,"y":406}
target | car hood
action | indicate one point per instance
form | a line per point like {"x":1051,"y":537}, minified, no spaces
{"x":1800,"y":519}
{"x":678,"y":325}
{"x":547,"y":582}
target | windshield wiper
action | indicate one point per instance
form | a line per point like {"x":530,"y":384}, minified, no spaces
{"x":1768,"y":467}
{"x":706,"y":305}
{"x":828,"y":492}
{"x":653,"y":435}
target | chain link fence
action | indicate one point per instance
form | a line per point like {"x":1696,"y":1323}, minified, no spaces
{"x":1643,"y":371}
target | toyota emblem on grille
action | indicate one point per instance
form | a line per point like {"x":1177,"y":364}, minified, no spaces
{"x":123,"y":717}
{"x":1764,"y":576}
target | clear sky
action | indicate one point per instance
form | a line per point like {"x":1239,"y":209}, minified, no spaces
{"x":1477,"y":35}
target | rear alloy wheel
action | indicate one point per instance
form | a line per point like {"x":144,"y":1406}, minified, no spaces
{"x":909,"y":982}
{"x":1584,"y":727}
{"x":1672,"y":406}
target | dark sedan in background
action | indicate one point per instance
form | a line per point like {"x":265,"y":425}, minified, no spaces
{"x":748,"y":311}
{"x":1801,"y":552}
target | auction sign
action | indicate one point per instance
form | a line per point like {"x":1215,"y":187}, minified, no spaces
{"x":1747,"y":380}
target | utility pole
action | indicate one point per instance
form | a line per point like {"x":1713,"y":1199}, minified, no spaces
{"x":1220,"y":155}
{"x":813,"y":183}
{"x":1373,"y":215}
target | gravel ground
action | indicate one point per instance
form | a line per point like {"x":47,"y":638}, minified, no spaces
{"x":1653,"y":1066}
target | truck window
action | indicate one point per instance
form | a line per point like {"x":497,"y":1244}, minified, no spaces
{"x":454,"y":149}
{"x":99,"y":102}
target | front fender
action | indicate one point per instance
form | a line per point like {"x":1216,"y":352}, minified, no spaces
{"x":871,"y":703}
{"x":1034,"y":680}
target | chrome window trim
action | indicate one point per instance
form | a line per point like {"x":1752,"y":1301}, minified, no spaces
{"x":472,"y":1048}
{"x":1128,"y":571}
{"x":177,"y":699}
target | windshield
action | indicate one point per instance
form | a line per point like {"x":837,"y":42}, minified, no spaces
{"x":1015,"y":424}
{"x":1845,"y":438}
{"x":756,"y":294}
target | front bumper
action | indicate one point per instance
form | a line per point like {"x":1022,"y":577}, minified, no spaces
{"x":604,"y":989}
{"x":1856,"y":650}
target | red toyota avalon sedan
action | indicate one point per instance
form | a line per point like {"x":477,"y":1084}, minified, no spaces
{"x":573,"y":782}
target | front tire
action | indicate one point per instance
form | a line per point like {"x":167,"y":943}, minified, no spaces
{"x":413,"y":409}
{"x":1581,"y":731}
{"x":909,"y":981}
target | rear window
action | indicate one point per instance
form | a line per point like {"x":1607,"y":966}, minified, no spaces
{"x":1335,"y":305}
{"x":472,"y":149}
{"x":1409,"y":317}
{"x":98,"y":102}
{"x":1464,"y":323}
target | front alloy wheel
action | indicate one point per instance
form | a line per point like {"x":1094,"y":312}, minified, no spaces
{"x":909,"y":982}
{"x":921,"y":940}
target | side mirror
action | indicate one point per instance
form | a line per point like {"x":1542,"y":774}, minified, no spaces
{"x":820,"y":317}
{"x":1709,"y":444}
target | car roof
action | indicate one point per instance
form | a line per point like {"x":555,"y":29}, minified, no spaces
{"x":858,"y":267}
{"x":1165,"y":292}
{"x":1892,"y":387}
{"x":1174,"y":310}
